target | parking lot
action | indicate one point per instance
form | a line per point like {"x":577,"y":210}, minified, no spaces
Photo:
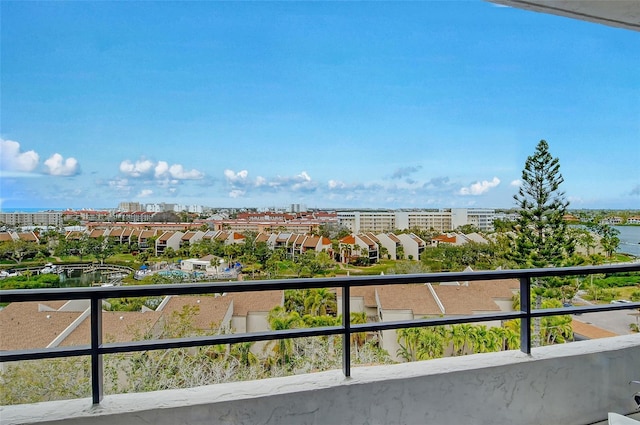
{"x":614,"y":321}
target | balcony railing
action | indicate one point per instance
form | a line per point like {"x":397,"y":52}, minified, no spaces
{"x":97,"y":348}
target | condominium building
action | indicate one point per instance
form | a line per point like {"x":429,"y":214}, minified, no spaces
{"x":129,"y":206}
{"x":43,"y":218}
{"x":441,"y":220}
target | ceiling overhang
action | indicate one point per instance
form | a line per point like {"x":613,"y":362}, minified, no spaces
{"x":615,"y":13}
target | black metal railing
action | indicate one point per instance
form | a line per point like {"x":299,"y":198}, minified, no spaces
{"x":97,"y":348}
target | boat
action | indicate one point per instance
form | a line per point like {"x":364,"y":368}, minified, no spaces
{"x":51,"y":268}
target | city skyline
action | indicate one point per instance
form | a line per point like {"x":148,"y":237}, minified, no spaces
{"x":350,"y":105}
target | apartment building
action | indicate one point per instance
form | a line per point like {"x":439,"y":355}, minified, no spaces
{"x":85,"y":215}
{"x":42,"y":218}
{"x":441,"y":220}
{"x":129,"y":206}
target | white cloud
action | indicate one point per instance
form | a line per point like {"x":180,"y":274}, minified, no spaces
{"x":177,"y":171}
{"x":300,"y":182}
{"x":336,"y":184}
{"x":137,"y":169}
{"x":304,"y":176}
{"x":516,"y":183}
{"x":145,"y":193}
{"x":478,"y":188}
{"x":120,"y":184}
{"x":56,"y":165}
{"x":234,"y":177}
{"x":236,"y":193}
{"x":160,"y":170}
{"x":240,"y":182}
{"x":13,"y":159}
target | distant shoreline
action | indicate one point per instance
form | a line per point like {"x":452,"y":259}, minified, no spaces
{"x":43,"y":209}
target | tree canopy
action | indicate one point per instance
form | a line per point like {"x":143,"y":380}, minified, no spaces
{"x":541,"y":231}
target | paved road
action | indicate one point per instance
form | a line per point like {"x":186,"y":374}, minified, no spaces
{"x":614,"y":321}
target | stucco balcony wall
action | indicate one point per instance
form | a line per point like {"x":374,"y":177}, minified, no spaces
{"x":576,"y":383}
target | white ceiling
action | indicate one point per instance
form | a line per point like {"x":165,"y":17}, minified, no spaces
{"x":616,"y":13}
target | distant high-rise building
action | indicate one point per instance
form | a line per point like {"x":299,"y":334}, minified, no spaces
{"x":296,"y":208}
{"x":161,"y":207}
{"x":196,"y":209}
{"x":129,"y":206}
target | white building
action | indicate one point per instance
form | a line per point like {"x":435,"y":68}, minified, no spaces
{"x":441,"y":220}
{"x":42,"y":218}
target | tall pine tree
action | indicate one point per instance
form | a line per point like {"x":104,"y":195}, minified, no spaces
{"x":542,"y":239}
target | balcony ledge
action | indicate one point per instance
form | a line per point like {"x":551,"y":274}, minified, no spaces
{"x":576,"y":383}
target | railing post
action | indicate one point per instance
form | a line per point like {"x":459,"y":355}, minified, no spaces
{"x":346,"y":323}
{"x":525,"y":307}
{"x":96,"y":357}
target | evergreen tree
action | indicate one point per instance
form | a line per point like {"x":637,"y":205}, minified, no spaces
{"x":542,"y":237}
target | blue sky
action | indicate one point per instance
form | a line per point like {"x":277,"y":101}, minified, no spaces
{"x":428,"y":104}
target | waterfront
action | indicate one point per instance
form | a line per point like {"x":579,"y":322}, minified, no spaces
{"x":78,"y":278}
{"x":629,"y":239}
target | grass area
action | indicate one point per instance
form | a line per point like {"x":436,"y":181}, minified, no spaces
{"x":627,"y":293}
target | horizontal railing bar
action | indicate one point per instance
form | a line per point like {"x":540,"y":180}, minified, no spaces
{"x":218,"y":339}
{"x":51,"y":294}
{"x":583,"y":309}
{"x":435,"y":321}
{"x":144,"y":345}
{"x":44,"y":353}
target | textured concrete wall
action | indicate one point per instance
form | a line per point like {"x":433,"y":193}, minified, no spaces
{"x":575,"y":383}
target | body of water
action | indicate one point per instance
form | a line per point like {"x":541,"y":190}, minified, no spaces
{"x":78,"y":278}
{"x":629,"y":239}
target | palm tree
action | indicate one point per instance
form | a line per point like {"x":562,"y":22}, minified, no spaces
{"x":280,"y":319}
{"x":495,"y":339}
{"x":555,"y":329}
{"x":431,"y":343}
{"x":481,"y":339}
{"x":345,"y":252}
{"x":408,"y":341}
{"x":242,"y":352}
{"x":320,"y":302}
{"x":457,"y":337}
{"x":358,"y":339}
{"x":512,"y":334}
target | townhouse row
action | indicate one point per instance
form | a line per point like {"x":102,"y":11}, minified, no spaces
{"x":401,"y":246}
{"x":372,"y":246}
